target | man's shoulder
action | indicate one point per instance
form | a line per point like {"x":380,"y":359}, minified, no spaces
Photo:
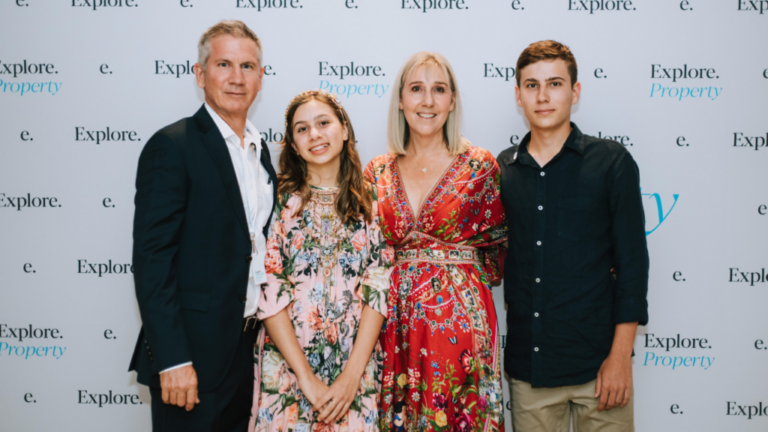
{"x":508,"y":155}
{"x":178,"y":130}
{"x":603,"y":147}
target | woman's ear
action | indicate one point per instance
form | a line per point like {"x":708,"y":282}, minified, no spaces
{"x":346,"y":132}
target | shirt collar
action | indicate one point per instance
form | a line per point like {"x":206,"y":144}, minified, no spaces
{"x":251,"y":133}
{"x":574,"y":142}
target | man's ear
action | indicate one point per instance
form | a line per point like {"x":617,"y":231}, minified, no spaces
{"x":517,"y":97}
{"x":199,"y":75}
{"x":576,"y":93}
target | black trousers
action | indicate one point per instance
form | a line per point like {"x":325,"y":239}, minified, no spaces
{"x":227,"y":408}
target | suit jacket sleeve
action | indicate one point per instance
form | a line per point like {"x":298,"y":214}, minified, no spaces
{"x":161,"y":197}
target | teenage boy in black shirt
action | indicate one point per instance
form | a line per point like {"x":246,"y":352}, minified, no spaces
{"x":574,"y":212}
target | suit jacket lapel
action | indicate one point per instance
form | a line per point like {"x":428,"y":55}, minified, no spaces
{"x":217,"y":148}
{"x":266,"y":161}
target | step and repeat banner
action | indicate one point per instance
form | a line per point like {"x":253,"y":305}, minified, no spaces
{"x":84,"y":84}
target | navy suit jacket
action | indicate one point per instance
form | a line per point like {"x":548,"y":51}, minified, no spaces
{"x":191,"y":252}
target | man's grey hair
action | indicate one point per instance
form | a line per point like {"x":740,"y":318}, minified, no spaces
{"x":234,"y":28}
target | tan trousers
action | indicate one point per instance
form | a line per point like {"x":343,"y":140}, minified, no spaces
{"x":551,"y":409}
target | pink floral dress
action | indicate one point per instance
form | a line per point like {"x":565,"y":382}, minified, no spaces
{"x":323,"y":272}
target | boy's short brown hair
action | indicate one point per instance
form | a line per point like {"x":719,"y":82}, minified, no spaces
{"x":547,"y":50}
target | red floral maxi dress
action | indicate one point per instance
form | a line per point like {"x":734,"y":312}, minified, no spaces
{"x":442,"y":359}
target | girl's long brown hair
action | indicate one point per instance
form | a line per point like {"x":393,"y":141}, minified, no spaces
{"x":353,"y":199}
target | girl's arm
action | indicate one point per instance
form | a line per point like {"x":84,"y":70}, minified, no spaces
{"x":344,"y":389}
{"x":282,"y":333}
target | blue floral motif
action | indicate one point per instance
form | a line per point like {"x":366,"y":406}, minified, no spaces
{"x":314,"y":360}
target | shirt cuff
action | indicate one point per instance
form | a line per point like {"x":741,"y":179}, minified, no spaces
{"x":630,"y":310}
{"x":176,"y":367}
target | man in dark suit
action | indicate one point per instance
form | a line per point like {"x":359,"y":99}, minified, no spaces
{"x":205,"y":191}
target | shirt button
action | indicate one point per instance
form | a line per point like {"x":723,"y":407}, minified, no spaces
{"x":543,"y":174}
{"x":536,"y":349}
{"x":536,"y":314}
{"x":538,"y":243}
{"x":541,"y":207}
{"x":538,"y":280}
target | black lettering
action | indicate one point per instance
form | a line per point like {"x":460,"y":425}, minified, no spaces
{"x":599,"y":73}
{"x":681,"y":142}
{"x":734,"y":272}
{"x":677,"y":276}
{"x":762,"y":209}
{"x":675,"y":409}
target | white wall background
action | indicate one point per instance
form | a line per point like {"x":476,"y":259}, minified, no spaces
{"x":716,"y":225}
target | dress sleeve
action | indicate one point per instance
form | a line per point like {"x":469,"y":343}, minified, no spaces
{"x":374,"y":285}
{"x":492,"y":221}
{"x":368,"y":173}
{"x":280,"y":289}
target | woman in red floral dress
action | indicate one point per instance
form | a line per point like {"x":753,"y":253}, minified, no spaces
{"x":439,"y":205}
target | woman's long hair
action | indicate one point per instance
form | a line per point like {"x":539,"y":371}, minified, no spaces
{"x":353,"y":199}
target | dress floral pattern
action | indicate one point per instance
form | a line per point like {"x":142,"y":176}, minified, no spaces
{"x":323,"y":272}
{"x":442,"y":362}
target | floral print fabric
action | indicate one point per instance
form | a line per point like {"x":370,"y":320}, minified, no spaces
{"x":442,"y":364}
{"x":323,"y":272}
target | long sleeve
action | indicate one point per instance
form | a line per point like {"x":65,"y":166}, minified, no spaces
{"x":630,"y":250}
{"x":161,"y":191}
{"x":490,"y":222}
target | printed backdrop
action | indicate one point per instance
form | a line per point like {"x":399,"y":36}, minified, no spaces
{"x":85,"y":83}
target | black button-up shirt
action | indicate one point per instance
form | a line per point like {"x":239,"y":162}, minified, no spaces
{"x":569,"y":224}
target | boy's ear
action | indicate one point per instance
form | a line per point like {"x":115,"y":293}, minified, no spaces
{"x":576,"y":93}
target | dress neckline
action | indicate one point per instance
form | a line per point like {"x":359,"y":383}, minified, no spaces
{"x":415,"y":218}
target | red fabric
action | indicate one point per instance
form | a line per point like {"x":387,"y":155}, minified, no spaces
{"x":442,"y":360}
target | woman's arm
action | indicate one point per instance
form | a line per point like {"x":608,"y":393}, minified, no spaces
{"x":282,"y":333}
{"x":344,"y":389}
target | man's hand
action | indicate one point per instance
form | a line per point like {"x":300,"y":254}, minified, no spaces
{"x":180,"y":387}
{"x":614,"y":382}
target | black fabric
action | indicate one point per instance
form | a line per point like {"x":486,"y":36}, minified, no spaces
{"x":191,"y":252}
{"x":591,"y":220}
{"x":226,"y":408}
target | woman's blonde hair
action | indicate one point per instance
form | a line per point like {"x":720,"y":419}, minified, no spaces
{"x":397,"y":128}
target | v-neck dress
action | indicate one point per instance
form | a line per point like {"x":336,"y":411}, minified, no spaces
{"x":442,"y":359}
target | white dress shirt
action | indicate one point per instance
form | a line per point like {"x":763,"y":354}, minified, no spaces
{"x":257,"y":195}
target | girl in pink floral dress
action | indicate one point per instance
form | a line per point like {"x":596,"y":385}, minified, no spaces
{"x":318,"y":361}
